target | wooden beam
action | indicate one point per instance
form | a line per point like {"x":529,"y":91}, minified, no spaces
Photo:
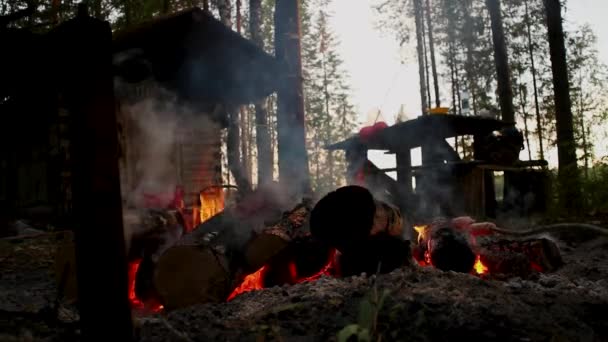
{"x":85,"y":63}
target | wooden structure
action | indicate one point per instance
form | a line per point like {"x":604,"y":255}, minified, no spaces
{"x":61,"y":129}
{"x":180,"y":73}
{"x":444,"y":183}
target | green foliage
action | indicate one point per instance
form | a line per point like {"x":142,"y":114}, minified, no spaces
{"x":366,"y":328}
{"x":595,"y":187}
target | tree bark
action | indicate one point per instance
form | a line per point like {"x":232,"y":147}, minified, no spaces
{"x":262,"y":135}
{"x":525,"y":115}
{"x":539,"y":126}
{"x":581,"y":114}
{"x":501,"y":59}
{"x":426,"y":59}
{"x":233,"y":144}
{"x":420,"y":50}
{"x":568,"y":173}
{"x":432,"y":52}
{"x":293,"y":159}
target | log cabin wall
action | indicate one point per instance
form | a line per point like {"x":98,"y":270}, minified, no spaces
{"x":192,"y":161}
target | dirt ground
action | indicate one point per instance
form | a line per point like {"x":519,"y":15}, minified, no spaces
{"x":421,"y":304}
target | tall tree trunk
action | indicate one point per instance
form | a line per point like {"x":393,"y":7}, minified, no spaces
{"x":239,"y":18}
{"x":432,"y":52}
{"x":468,"y":64}
{"x":55,"y":10}
{"x":262,"y":134}
{"x":206,"y":5}
{"x":568,"y":173}
{"x":166,"y":6}
{"x":420,"y":50}
{"x":581,"y":114}
{"x":244,"y":118}
{"x":127,"y":9}
{"x":426,"y":60}
{"x":539,"y":126}
{"x":453,"y":82}
{"x":233,"y":144}
{"x":330,"y":156}
{"x":525,"y":115}
{"x":293,"y":160}
{"x":501,"y":59}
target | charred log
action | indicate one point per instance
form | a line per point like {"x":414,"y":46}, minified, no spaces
{"x":520,"y":256}
{"x":187,"y":275}
{"x":381,"y":253}
{"x":302,"y":258}
{"x":343,"y":217}
{"x":450,"y":251}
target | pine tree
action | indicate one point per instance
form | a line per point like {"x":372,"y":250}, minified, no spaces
{"x":330,"y":114}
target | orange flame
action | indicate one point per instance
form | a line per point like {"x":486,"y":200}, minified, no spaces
{"x":422,"y":232}
{"x":254,"y":281}
{"x":136,"y":303}
{"x":479,"y":267}
{"x":212,"y":202}
{"x":325,"y":271}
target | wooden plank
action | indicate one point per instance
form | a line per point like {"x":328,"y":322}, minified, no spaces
{"x":85,"y":61}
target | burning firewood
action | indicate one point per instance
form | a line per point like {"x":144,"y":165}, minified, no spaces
{"x":349,"y":215}
{"x":464,"y":245}
{"x":343,"y":217}
{"x":187,"y":275}
{"x":206,"y":264}
{"x":450,"y":251}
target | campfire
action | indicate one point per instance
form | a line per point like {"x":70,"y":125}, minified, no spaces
{"x":211,"y":203}
{"x":348,"y":232}
{"x":480,"y":248}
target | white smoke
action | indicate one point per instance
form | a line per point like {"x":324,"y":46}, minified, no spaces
{"x":154,"y":141}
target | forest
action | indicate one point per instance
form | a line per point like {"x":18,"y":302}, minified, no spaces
{"x":193,"y":170}
{"x":452,"y":41}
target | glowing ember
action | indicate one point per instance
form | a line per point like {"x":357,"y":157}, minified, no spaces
{"x":325,"y":271}
{"x":254,"y":281}
{"x":136,"y":303}
{"x":479,"y":267}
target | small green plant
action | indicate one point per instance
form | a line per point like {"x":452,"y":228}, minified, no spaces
{"x":366,"y":329}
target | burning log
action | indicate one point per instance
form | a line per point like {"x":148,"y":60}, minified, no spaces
{"x":349,"y":215}
{"x":275,"y":238}
{"x":187,"y":275}
{"x":343,"y":217}
{"x":205,"y":265}
{"x":450,"y":251}
{"x":520,"y":256}
{"x":463,"y":245}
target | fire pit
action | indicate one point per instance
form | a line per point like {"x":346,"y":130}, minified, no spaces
{"x":512,"y":288}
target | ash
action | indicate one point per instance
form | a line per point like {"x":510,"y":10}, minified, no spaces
{"x":423,"y":304}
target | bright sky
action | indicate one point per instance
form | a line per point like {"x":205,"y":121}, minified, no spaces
{"x":385,"y":76}
{"x":374,"y":59}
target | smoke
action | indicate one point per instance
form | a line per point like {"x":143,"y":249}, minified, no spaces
{"x":165,"y":145}
{"x":153,"y":145}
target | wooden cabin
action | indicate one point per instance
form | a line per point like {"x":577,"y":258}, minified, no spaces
{"x":175,"y":77}
{"x":492,"y":181}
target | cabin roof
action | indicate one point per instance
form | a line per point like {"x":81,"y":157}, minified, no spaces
{"x":196,"y":56}
{"x":413,"y":133}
